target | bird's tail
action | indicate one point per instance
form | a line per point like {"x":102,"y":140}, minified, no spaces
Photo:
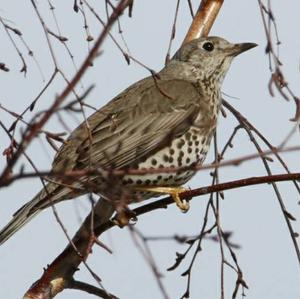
{"x":28,"y":211}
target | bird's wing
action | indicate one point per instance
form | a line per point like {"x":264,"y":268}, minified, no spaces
{"x":140,"y":121}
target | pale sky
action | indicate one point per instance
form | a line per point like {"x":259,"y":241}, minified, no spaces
{"x":267,"y":256}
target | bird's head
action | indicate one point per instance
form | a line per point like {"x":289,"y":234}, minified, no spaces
{"x":210,"y":57}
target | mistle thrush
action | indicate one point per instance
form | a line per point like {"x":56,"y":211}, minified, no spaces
{"x":162,"y":122}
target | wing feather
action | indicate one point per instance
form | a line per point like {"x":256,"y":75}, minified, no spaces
{"x":138,"y":122}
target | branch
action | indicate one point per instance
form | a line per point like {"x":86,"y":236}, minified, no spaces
{"x":92,"y":171}
{"x":31,"y":133}
{"x":83,"y":286}
{"x":204,"y":19}
{"x":188,"y":195}
{"x":60,"y":272}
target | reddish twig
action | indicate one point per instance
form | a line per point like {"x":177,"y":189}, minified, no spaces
{"x":204,"y":19}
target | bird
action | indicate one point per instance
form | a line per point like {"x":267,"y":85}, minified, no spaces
{"x":161,"y":122}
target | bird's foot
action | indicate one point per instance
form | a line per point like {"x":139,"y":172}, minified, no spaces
{"x":183,"y":205}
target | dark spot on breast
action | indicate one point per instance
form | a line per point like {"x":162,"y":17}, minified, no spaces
{"x":190,"y":143}
{"x":189,"y":150}
{"x":166,"y":158}
{"x":139,"y":182}
{"x":188,"y":135}
{"x":153,"y":161}
{"x":180,"y":143}
{"x":172,"y":151}
{"x":197,"y":142}
{"x":188,"y":160}
{"x":171,"y":159}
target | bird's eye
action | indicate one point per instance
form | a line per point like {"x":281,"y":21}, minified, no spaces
{"x":208,"y":46}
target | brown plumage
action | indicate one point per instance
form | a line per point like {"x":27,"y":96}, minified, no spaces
{"x":162,"y":122}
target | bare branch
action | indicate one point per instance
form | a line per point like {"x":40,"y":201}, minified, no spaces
{"x":204,"y":19}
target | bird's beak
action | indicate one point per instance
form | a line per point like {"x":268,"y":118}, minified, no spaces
{"x":240,"y":48}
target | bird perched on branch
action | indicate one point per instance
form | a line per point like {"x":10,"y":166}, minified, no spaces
{"x":161,"y":122}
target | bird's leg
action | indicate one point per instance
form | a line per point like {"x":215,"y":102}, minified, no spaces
{"x":183,"y":205}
